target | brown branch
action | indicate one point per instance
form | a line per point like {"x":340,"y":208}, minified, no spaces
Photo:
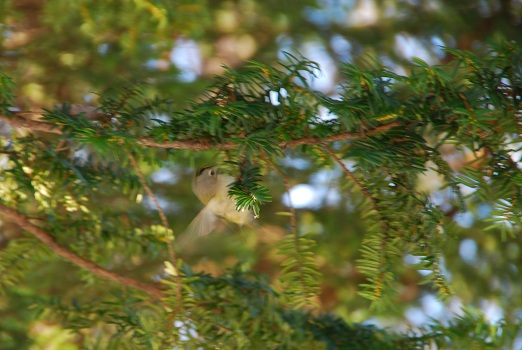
{"x":152,"y":196}
{"x":361,"y":187}
{"x":186,"y":144}
{"x":348,"y":173}
{"x":377,"y":289}
{"x":165,"y":223}
{"x":293,"y":224}
{"x":22,"y":119}
{"x":293,"y":221}
{"x":23,"y":222}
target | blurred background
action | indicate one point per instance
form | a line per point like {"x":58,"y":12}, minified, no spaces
{"x":69,"y":51}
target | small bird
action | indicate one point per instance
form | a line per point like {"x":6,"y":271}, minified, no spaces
{"x":211,"y":187}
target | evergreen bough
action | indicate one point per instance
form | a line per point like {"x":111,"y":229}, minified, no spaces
{"x":390,"y":129}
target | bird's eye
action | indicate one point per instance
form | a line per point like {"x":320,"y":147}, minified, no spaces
{"x":212,"y":172}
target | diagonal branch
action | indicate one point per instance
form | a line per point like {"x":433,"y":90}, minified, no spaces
{"x":23,"y":119}
{"x":165,"y":223}
{"x":383,"y":246}
{"x":23,"y":222}
{"x":293,"y":223}
{"x":361,"y":187}
{"x":293,"y":220}
{"x":163,"y":217}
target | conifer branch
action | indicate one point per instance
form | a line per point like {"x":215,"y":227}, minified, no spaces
{"x":300,"y":258}
{"x":23,"y":120}
{"x":293,"y":221}
{"x":163,"y":217}
{"x":23,"y":222}
{"x":172,"y":253}
{"x":361,"y":187}
{"x":379,"y":247}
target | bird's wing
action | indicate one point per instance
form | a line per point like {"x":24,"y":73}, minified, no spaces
{"x":201,"y":225}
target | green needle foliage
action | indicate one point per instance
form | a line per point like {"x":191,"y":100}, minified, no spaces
{"x":6,"y":93}
{"x":72,"y":184}
{"x":248,"y":192}
{"x":299,"y":274}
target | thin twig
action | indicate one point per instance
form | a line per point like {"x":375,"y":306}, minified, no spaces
{"x":349,"y":174}
{"x":293,"y":221}
{"x":384,"y":224}
{"x":172,"y":253}
{"x":22,"y":119}
{"x":293,"y":224}
{"x":163,"y":217}
{"x":23,"y":222}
